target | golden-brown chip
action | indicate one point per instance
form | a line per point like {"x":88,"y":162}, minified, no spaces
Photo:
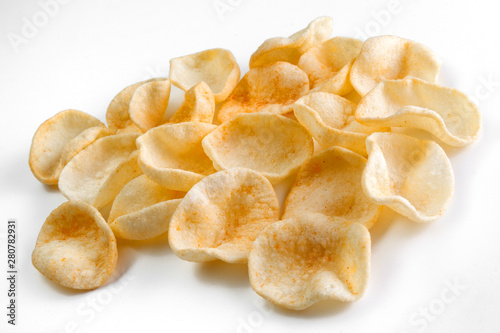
{"x":198,"y":105}
{"x":149,"y":103}
{"x":75,"y":247}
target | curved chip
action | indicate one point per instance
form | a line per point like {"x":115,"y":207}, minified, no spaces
{"x":411,"y":176}
{"x":300,"y":261}
{"x":445,"y":112}
{"x":198,"y":105}
{"x":149,"y":103}
{"x":52,"y":140}
{"x":221,"y":216}
{"x":82,"y":141}
{"x":216,"y":67}
{"x":271,"y":88}
{"x":330,"y":184}
{"x":330,"y":120}
{"x":142,"y":209}
{"x":172,"y":155}
{"x":84,"y":176}
{"x":289,"y":49}
{"x":328,"y":65}
{"x":390,"y":58}
{"x":268,"y":143}
{"x":75,"y":247}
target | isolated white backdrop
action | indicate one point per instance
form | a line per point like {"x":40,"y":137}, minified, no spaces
{"x":441,"y":277}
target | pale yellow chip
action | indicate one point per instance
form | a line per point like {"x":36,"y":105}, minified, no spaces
{"x":330,"y":120}
{"x":172,"y":155}
{"x":330,"y":184}
{"x":328,"y":65}
{"x":75,"y":247}
{"x":300,"y":261}
{"x":221,"y":216}
{"x":445,"y":112}
{"x":142,"y":209}
{"x":268,"y":143}
{"x":216,"y":67}
{"x":271,"y":88}
{"x":82,"y":141}
{"x":391,"y":58}
{"x":289,"y":49}
{"x":52,"y":143}
{"x":411,"y":176}
{"x":84,"y":176}
{"x":149,"y":103}
{"x":198,"y":105}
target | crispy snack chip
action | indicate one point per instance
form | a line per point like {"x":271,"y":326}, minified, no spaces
{"x":198,"y":105}
{"x":328,"y":64}
{"x":300,"y":261}
{"x":330,"y":120}
{"x":56,"y":141}
{"x":411,"y":176}
{"x":390,"y":58}
{"x":290,"y":49}
{"x":82,"y":141}
{"x":142,"y":210}
{"x":149,"y":103}
{"x":268,"y":143}
{"x":216,"y":67}
{"x":95,"y":167}
{"x":330,"y":184}
{"x":221,"y":216}
{"x":445,"y":112}
{"x":172,"y":155}
{"x":271,"y":88}
{"x":75,"y":247}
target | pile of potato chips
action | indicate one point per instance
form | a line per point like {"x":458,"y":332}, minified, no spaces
{"x":209,"y":184}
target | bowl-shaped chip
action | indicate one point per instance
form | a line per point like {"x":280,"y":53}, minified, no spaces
{"x":172,"y":155}
{"x":330,"y":120}
{"x":221,"y":216}
{"x":273,"y":145}
{"x":198,"y":105}
{"x":411,"y":176}
{"x":271,"y":88}
{"x":289,"y":49}
{"x":445,"y":112}
{"x":300,"y":261}
{"x":330,"y":184}
{"x":84,"y":176}
{"x":82,"y":141}
{"x":75,"y":247}
{"x":328,"y":65}
{"x":52,"y":142}
{"x":142,"y":209}
{"x":391,"y":58}
{"x":216,"y":67}
{"x":149,"y":103}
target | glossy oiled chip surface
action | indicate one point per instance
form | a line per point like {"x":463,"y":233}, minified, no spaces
{"x":221,"y":216}
{"x":75,"y":247}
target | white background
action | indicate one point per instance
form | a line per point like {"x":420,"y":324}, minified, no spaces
{"x":89,"y":50}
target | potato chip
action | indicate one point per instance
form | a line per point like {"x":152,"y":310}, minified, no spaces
{"x":290,"y":49}
{"x":411,"y":176}
{"x":221,"y":216}
{"x":390,"y":58}
{"x":198,"y":105}
{"x":330,"y":120}
{"x":75,"y":247}
{"x":216,"y":67}
{"x":268,"y":143}
{"x":271,"y":88}
{"x":149,"y":103}
{"x":172,"y":155}
{"x":142,"y":210}
{"x":84,"y":176}
{"x":82,"y":141}
{"x":328,"y":64}
{"x":330,"y":184}
{"x":445,"y":112}
{"x":300,"y":261}
{"x":51,"y":140}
